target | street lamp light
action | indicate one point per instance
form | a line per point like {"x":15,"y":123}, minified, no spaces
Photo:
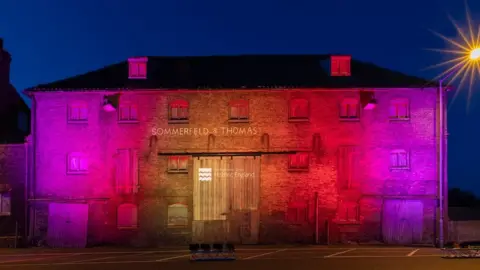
{"x":474,"y":56}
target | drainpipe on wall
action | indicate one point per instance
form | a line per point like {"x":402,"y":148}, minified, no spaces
{"x":33,"y":171}
{"x":316,"y":217}
{"x":27,"y":178}
{"x":441,"y":239}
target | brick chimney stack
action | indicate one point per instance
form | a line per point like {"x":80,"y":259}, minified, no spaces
{"x":5,"y":60}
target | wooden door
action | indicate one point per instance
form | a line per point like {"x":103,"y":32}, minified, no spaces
{"x":225,"y":199}
{"x":402,"y":222}
{"x":67,"y":225}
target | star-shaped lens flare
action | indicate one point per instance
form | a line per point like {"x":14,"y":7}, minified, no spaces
{"x":465,"y":61}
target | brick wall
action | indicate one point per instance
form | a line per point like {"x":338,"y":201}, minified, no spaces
{"x":374,"y":134}
{"x":12,"y":172}
{"x":463,"y":231}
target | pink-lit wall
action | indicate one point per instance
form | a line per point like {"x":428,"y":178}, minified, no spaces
{"x":374,"y":134}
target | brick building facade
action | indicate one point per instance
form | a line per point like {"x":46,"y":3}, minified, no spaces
{"x":249,"y":149}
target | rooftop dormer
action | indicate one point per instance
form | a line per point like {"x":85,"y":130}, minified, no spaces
{"x":340,"y":65}
{"x":137,"y":67}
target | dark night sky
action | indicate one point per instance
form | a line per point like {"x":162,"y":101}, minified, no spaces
{"x":53,"y":39}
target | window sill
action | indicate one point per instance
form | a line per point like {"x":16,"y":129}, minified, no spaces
{"x":77,"y":122}
{"x":349,"y":119}
{"x":298,"y":169}
{"x":127,"y":228}
{"x":77,"y":173}
{"x":178,"y":171}
{"x":137,"y":77}
{"x":128,"y":121}
{"x":238,"y":120}
{"x":295,"y":120}
{"x":347,"y":222}
{"x":399,"y":119}
{"x":179,"y":121}
{"x":399,"y":168}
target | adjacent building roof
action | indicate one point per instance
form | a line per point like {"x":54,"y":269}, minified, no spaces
{"x":236,"y":72}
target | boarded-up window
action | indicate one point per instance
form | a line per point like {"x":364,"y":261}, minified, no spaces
{"x":77,"y":113}
{"x":77,"y":163}
{"x":349,"y":109}
{"x":137,"y":68}
{"x":399,"y":159}
{"x":178,"y":110}
{"x":128,"y":113}
{"x":299,"y":109}
{"x":297,"y":212}
{"x":348,"y":211}
{"x":127,"y":171}
{"x":347,"y":166}
{"x":177,"y":215}
{"x":298,"y":162}
{"x":340,"y":65}
{"x":5,"y":206}
{"x":127,"y":216}
{"x":239,"y":110}
{"x":178,"y":164}
{"x":399,"y":109}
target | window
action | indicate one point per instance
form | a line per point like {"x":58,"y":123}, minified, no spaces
{"x":299,"y":161}
{"x":77,"y":163}
{"x":178,"y":111}
{"x":77,"y":113}
{"x":127,"y":216}
{"x":399,"y":109}
{"x":178,"y":164}
{"x":239,"y":110}
{"x":297,"y":214}
{"x":126,"y":175}
{"x":177,"y":215}
{"x":348,"y":212}
{"x":128,"y":113}
{"x":349,"y":109}
{"x":137,"y":68}
{"x":340,"y":65}
{"x":5,"y":206}
{"x":299,"y":110}
{"x":399,"y":159}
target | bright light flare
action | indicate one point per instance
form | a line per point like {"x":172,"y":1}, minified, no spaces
{"x":465,"y":61}
{"x":475,"y":54}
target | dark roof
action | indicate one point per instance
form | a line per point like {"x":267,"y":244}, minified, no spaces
{"x":243,"y":71}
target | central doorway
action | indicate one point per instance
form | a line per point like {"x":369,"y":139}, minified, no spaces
{"x":226,"y":195}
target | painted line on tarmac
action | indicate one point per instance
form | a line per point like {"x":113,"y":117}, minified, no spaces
{"x":378,"y":256}
{"x":265,"y":254}
{"x":38,"y":259}
{"x":413,"y":252}
{"x":171,"y":258}
{"x":111,"y":257}
{"x":340,"y":253}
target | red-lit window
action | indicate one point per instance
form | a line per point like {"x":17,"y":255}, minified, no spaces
{"x":178,"y":164}
{"x":127,"y":216}
{"x":349,"y":109}
{"x":127,"y":113}
{"x":348,"y":212}
{"x":126,"y":176}
{"x":399,"y":159}
{"x":299,"y":161}
{"x":299,"y":109}
{"x":77,"y":113}
{"x":296,"y":214}
{"x":178,"y":111}
{"x":177,"y":215}
{"x":340,"y":65}
{"x":399,"y":109}
{"x":77,"y":163}
{"x":239,"y":110}
{"x":137,"y":68}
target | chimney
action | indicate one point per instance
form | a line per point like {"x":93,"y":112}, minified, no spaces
{"x":5,"y":60}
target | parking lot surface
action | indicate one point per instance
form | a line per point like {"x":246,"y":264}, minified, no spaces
{"x":355,"y":257}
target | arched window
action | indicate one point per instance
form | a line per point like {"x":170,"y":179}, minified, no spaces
{"x":299,"y":109}
{"x":177,"y":215}
{"x":127,"y":216}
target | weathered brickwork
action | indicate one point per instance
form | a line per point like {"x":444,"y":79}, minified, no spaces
{"x":374,"y":134}
{"x":13,"y":174}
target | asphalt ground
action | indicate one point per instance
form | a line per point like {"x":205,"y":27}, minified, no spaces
{"x":358,"y":258}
